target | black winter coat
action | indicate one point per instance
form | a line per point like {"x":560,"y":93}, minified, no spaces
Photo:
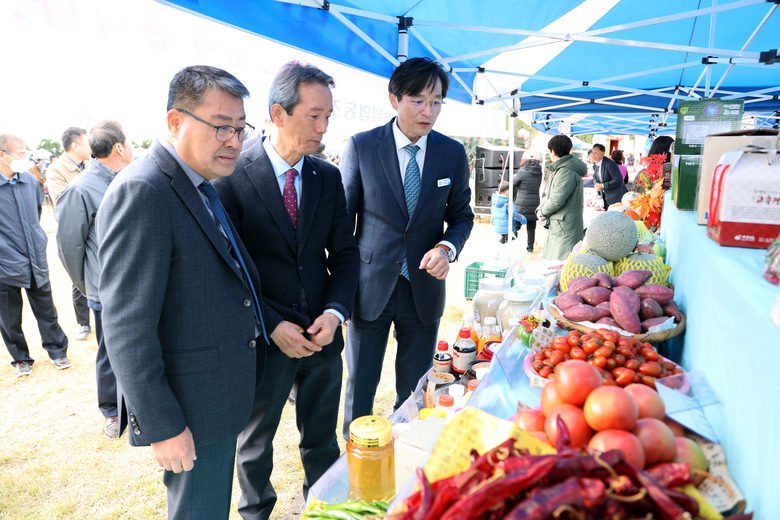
{"x":526,"y":186}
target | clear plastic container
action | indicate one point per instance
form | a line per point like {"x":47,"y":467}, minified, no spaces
{"x":517,"y":303}
{"x":469,"y":322}
{"x":490,"y":334}
{"x":371,"y":458}
{"x":488,"y":298}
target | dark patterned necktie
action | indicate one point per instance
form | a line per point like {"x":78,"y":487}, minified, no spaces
{"x":411,"y":190}
{"x":291,"y":196}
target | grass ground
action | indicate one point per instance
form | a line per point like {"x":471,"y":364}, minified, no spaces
{"x":56,"y":464}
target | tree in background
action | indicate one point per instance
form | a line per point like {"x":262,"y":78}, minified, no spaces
{"x":50,"y":145}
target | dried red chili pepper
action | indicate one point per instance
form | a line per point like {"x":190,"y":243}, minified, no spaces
{"x":485,"y":464}
{"x":426,"y":495}
{"x":613,"y":510}
{"x":575,"y":492}
{"x":668,"y":508}
{"x":442,"y":502}
{"x":583,"y":466}
{"x":413,"y":502}
{"x":498,"y":488}
{"x":671,"y":474}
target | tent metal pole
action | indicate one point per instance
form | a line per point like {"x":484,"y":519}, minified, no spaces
{"x":753,"y":93}
{"x":433,"y":51}
{"x":510,"y":220}
{"x":363,"y":36}
{"x":707,"y":82}
{"x":498,"y":50}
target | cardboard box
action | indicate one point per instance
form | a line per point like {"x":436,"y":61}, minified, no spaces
{"x":714,"y":148}
{"x":414,"y":446}
{"x":684,"y":181}
{"x":700,"y":118}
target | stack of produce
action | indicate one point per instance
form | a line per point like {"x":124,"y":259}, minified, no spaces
{"x":619,"y":360}
{"x":627,"y":301}
{"x":352,"y":509}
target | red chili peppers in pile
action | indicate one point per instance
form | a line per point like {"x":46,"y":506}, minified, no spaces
{"x":507,"y":483}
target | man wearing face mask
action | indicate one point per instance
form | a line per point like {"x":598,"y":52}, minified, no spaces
{"x":77,"y":244}
{"x":23,"y":262}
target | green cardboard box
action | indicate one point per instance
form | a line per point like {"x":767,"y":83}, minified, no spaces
{"x":685,"y":182}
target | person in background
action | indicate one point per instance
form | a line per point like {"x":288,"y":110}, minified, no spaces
{"x":281,"y":194}
{"x":182,"y":321}
{"x":39,"y":170}
{"x":609,"y":179}
{"x":617,"y":156}
{"x":562,"y":203}
{"x":78,"y":248}
{"x":527,"y":184}
{"x":320,"y":153}
{"x":60,"y":173}
{"x":499,"y":213}
{"x":408,"y":193}
{"x":662,"y":145}
{"x":23,"y":262}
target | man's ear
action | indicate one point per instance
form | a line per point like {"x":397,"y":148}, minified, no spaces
{"x":173,"y":120}
{"x":277,"y":115}
{"x":393,"y":100}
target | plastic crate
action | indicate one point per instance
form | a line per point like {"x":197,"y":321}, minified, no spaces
{"x":474,"y":273}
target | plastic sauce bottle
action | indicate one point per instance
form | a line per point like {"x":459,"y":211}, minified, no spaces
{"x":371,"y":458}
{"x":464,"y":352}
{"x":442,"y":359}
{"x":447,"y":403}
{"x":490,"y":334}
{"x":469,"y":322}
{"x":458,"y":393}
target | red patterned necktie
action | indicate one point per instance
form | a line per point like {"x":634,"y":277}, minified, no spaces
{"x":291,"y":196}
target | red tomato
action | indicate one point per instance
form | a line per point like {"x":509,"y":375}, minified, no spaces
{"x":575,"y":333}
{"x":603,"y":352}
{"x":574,"y":341}
{"x":620,"y":440}
{"x":578,"y":353}
{"x":539,"y":356}
{"x":530,"y":420}
{"x":690,"y":452}
{"x":545,"y":372}
{"x":656,"y":439}
{"x":650,"y":354}
{"x":650,"y":369}
{"x":574,"y":418}
{"x":624,"y":342}
{"x":648,"y":401}
{"x":610,"y":408}
{"x":609,"y":382}
{"x":620,"y":360}
{"x":550,"y":397}
{"x":611,"y":335}
{"x":599,"y":361}
{"x":623,"y":376}
{"x":611,"y":363}
{"x":669,"y":366}
{"x":633,"y":364}
{"x":548,"y":352}
{"x":677,"y":428}
{"x":591,"y":345}
{"x":627,"y":352}
{"x":557,"y":357}
{"x":558,"y":342}
{"x":542,"y":437}
{"x":585,"y":337}
{"x":648,"y":380}
{"x":574,"y":381}
{"x":562,"y":347}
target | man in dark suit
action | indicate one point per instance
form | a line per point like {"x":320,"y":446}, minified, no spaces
{"x":408,"y":188}
{"x":181,"y":316}
{"x":290,"y":210}
{"x":609,"y":180}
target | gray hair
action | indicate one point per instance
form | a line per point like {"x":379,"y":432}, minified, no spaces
{"x":7,"y":141}
{"x":190,"y":84}
{"x":285,"y":87}
{"x":103,"y":136}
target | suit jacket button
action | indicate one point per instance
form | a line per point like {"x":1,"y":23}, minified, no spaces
{"x":136,"y":431}
{"x":399,"y":264}
{"x":252,"y":344}
{"x":247,"y":303}
{"x":408,"y":235}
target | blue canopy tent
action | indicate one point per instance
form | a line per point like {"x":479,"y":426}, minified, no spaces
{"x":620,"y":65}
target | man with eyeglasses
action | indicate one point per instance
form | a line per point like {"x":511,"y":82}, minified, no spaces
{"x":182,"y":318}
{"x":408,"y":188}
{"x":23,"y":261}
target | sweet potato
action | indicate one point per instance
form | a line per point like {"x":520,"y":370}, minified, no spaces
{"x":604,"y":279}
{"x":585,"y":312}
{"x":624,"y":313}
{"x":574,"y":280}
{"x":659,"y":293}
{"x":650,"y":309}
{"x":595,"y":295}
{"x":566,"y":301}
{"x":608,"y":320}
{"x":652,"y":322}
{"x":603,"y":305}
{"x":581,"y":285}
{"x":629,"y":293}
{"x":670,"y":309}
{"x":634,"y":278}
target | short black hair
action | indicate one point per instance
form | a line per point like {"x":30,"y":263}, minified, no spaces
{"x":617,"y":156}
{"x":70,"y":135}
{"x":415,"y":75}
{"x":662,"y":144}
{"x":190,"y":84}
{"x":104,"y":136}
{"x":504,"y":186}
{"x":561,"y":145}
{"x":599,"y":147}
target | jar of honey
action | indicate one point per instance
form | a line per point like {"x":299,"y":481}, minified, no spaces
{"x":371,"y":458}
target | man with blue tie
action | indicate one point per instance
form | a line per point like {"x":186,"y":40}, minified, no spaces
{"x":182,"y":321}
{"x":407,"y":188}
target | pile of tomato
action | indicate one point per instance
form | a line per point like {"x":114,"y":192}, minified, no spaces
{"x":621,"y":360}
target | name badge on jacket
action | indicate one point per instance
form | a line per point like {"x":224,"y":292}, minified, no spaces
{"x":444,"y":182}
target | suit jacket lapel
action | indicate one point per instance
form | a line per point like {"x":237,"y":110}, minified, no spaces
{"x":188,"y":194}
{"x":311,"y":185}
{"x":429,"y":175}
{"x":261,"y":175}
{"x":388,"y":158}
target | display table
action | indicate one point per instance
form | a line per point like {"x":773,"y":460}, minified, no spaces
{"x":730,"y":339}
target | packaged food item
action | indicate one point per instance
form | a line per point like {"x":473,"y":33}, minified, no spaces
{"x":437,"y":382}
{"x":442,"y":359}
{"x":488,"y":298}
{"x":464,"y":352}
{"x":469,"y":322}
{"x":371,"y":458}
{"x":447,"y":403}
{"x":517,"y":303}
{"x":490,"y":334}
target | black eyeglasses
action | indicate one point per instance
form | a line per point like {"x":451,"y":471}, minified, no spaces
{"x":225,"y":132}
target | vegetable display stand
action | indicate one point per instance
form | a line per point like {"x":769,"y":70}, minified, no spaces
{"x":655,"y":337}
{"x":474,"y":273}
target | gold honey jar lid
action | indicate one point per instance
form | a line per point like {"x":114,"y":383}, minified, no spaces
{"x":371,"y":431}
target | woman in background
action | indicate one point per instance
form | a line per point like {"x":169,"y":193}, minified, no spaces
{"x":617,"y":156}
{"x":526,"y":186}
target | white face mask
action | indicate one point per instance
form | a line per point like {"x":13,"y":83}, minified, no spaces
{"x":20,"y":165}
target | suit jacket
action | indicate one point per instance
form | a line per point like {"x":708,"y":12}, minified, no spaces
{"x":612,"y":179}
{"x":177,"y":316}
{"x":386,"y":234}
{"x":303,"y":271}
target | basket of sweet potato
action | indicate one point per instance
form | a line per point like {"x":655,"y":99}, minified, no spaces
{"x":625,"y":303}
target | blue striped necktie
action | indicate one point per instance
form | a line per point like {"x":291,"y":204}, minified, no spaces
{"x":411,"y":190}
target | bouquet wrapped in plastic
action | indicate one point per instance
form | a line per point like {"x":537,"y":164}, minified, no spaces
{"x":772,"y":262}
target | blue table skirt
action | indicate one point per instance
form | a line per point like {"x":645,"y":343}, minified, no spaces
{"x":731,"y":339}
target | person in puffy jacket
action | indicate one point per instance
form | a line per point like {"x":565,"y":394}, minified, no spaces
{"x":499,"y":212}
{"x":526,"y":186}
